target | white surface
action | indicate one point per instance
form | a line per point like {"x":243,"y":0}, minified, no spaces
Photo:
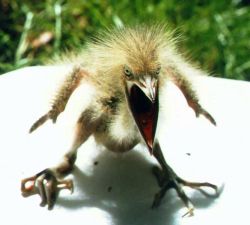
{"x":218,"y":154}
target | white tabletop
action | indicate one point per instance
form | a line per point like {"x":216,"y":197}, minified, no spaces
{"x":120,"y":188}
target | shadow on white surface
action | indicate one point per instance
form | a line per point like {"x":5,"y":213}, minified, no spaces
{"x":124,"y":188}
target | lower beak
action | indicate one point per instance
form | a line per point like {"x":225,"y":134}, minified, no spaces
{"x":144,"y":104}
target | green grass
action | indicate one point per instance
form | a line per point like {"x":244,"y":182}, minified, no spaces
{"x":215,"y":34}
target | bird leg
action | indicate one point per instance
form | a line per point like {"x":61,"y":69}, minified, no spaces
{"x":49,"y":182}
{"x":167,"y":179}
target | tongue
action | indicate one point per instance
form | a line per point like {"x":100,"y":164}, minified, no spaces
{"x":145,"y":123}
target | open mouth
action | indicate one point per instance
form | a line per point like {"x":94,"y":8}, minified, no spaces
{"x":145,"y":113}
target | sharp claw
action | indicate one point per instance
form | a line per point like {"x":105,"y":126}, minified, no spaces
{"x":190,"y":212}
{"x":206,"y":115}
{"x":210,"y":118}
{"x":66,"y":184}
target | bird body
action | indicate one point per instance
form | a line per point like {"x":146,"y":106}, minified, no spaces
{"x":127,"y":69}
{"x":121,"y":134}
{"x":141,"y":49}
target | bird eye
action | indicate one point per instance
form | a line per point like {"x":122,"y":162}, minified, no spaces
{"x":128,"y":73}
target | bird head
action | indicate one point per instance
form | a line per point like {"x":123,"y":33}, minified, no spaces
{"x":141,"y":88}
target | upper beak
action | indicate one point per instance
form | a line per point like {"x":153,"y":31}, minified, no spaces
{"x":148,"y":86}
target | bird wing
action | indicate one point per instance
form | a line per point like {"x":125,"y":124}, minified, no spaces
{"x":70,"y":84}
{"x":190,"y":94}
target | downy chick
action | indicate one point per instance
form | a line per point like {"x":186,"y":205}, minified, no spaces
{"x":127,"y":68}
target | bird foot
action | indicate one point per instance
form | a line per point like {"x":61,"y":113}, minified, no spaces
{"x":168,"y":179}
{"x":46,"y":185}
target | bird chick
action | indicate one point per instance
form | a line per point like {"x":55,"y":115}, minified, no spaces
{"x":127,"y":68}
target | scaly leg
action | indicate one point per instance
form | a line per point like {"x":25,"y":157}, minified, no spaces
{"x":167,"y":179}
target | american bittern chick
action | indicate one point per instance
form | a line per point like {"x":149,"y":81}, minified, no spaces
{"x":127,"y":68}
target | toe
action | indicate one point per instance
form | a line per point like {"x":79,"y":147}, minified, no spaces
{"x":159,"y":175}
{"x":51,"y":192}
{"x":41,"y":190}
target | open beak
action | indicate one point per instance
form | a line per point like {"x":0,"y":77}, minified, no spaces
{"x":143,"y":101}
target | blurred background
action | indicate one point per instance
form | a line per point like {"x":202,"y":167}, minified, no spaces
{"x":214,"y":34}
